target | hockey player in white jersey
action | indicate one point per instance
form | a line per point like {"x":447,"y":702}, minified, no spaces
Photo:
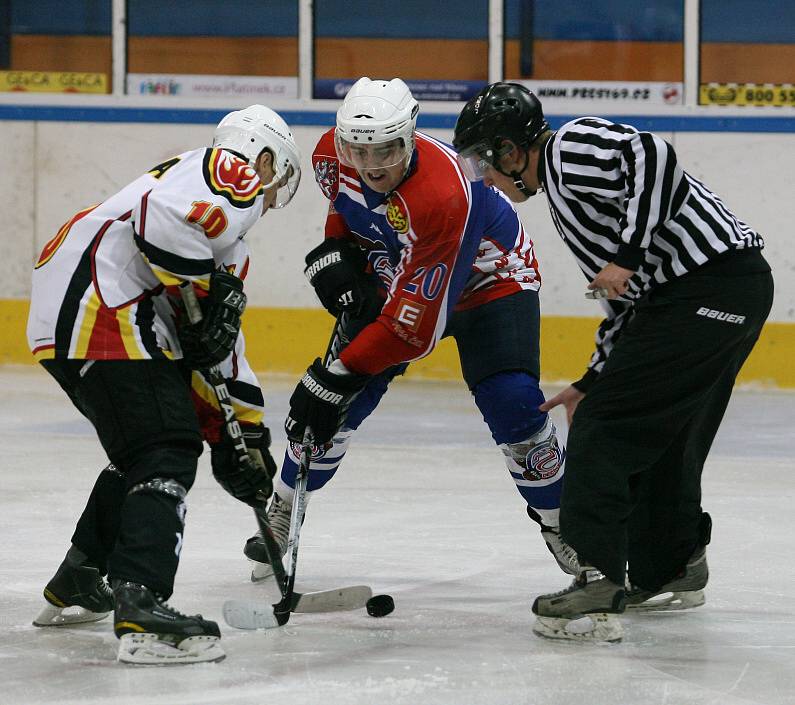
{"x":106,"y":322}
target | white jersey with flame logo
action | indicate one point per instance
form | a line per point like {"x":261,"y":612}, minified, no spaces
{"x":105,"y":287}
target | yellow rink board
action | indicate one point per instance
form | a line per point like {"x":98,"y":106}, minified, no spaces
{"x":285,"y":340}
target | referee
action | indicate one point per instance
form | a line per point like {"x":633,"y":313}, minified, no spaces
{"x":685,"y":291}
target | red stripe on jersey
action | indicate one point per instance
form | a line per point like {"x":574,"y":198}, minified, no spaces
{"x":101,"y":234}
{"x":244,"y":269}
{"x":351,"y":181}
{"x":40,"y":348}
{"x":141,"y":224}
{"x":106,"y":342}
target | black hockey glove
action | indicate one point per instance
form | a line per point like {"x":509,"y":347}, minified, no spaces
{"x":321,"y":400}
{"x":249,"y":482}
{"x":210,"y":341}
{"x":337,"y":269}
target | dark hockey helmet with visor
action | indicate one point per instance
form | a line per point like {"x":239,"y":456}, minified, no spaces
{"x":498,"y":118}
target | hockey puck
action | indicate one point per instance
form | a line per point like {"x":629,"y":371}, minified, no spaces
{"x":380,"y":605}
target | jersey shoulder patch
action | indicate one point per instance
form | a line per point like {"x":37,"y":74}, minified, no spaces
{"x":397,"y":214}
{"x":327,"y":175}
{"x":326,"y":165}
{"x":229,"y":176}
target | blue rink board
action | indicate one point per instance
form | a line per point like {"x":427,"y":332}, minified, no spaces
{"x":656,"y":123}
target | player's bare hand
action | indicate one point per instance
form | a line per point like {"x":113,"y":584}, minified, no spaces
{"x":613,"y":279}
{"x":568,"y":398}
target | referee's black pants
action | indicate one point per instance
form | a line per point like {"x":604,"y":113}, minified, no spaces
{"x":639,"y":438}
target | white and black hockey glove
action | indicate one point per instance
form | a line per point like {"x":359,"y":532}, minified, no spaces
{"x":249,"y":482}
{"x":337,"y":270}
{"x":212,"y":339}
{"x":321,"y":400}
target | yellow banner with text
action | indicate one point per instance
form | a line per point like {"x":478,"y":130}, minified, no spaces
{"x":754,"y":94}
{"x":53,"y":81}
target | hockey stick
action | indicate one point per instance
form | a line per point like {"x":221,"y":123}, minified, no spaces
{"x":248,"y":613}
{"x":296,"y":520}
{"x":244,"y":614}
{"x":233,"y":430}
{"x":335,"y":344}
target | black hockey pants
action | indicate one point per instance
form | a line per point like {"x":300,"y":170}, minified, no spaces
{"x":144,"y":417}
{"x":639,"y":438}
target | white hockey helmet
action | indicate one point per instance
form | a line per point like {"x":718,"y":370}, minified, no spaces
{"x":255,"y":128}
{"x":376,"y":113}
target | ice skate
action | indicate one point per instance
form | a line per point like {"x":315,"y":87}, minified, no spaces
{"x":565,"y":555}
{"x":76,"y":594}
{"x":685,"y":591}
{"x":584,"y":611}
{"x":153,"y":633}
{"x":279,"y":520}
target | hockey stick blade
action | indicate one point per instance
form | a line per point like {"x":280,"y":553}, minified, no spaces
{"x":250,"y":614}
{"x":340,"y":600}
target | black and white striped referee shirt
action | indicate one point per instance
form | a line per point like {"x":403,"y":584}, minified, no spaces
{"x":619,"y":195}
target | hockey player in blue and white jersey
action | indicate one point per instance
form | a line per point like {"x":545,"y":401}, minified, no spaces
{"x":415,"y":252}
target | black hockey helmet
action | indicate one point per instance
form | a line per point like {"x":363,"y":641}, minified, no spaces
{"x":492,"y":122}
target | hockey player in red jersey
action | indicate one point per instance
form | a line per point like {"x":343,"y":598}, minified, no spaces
{"x":107,"y":323}
{"x":415,"y":252}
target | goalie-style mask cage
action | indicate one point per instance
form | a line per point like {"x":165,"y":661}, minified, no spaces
{"x":375,"y":125}
{"x":255,"y":128}
{"x":498,"y":118}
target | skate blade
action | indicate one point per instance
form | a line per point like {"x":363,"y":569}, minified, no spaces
{"x":148,"y":649}
{"x":52,"y":616}
{"x":260,"y":571}
{"x":597,"y":627}
{"x":671,"y":602}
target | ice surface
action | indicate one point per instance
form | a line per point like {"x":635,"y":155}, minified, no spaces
{"x":423,"y":509}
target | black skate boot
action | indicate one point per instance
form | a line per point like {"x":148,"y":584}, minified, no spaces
{"x":152,"y":632}
{"x":585,"y":611}
{"x":278,"y":515}
{"x":686,"y":590}
{"x":76,"y":594}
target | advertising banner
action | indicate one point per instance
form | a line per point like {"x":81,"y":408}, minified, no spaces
{"x":53,"y":82}
{"x":608,"y":92}
{"x":754,"y":94}
{"x":203,"y":86}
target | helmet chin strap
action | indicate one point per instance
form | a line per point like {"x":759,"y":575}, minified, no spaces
{"x":516,"y":175}
{"x":517,"y":181}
